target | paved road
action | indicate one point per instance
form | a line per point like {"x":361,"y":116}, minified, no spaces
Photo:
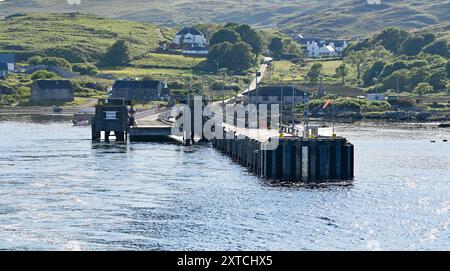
{"x":150,"y":119}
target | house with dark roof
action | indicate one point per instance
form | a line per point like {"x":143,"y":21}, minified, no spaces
{"x":275,"y":94}
{"x":134,"y":90}
{"x":10,"y":60}
{"x":318,"y":47}
{"x":52,"y":90}
{"x":190,"y":36}
{"x":4,"y":70}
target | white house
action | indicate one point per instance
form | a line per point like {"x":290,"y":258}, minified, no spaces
{"x":191,"y":36}
{"x":10,"y":61}
{"x":316,"y":47}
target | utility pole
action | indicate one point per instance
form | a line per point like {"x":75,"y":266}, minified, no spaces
{"x":305,"y":116}
{"x":282,"y":101}
{"x":293,"y":105}
{"x":257,"y":98}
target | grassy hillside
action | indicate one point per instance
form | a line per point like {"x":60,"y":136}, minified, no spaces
{"x":311,"y":17}
{"x":73,"y":36}
{"x":356,"y":17}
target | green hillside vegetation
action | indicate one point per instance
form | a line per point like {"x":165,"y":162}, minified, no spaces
{"x":310,"y":17}
{"x":399,"y":61}
{"x":358,"y":17}
{"x":77,"y":38}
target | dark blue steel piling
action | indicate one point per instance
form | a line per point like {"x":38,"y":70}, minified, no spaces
{"x":295,"y":159}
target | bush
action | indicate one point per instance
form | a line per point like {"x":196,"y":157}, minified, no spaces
{"x":43,"y":74}
{"x":400,"y":79}
{"x":438,"y":79}
{"x":88,"y":87}
{"x":34,"y":61}
{"x":423,"y":88}
{"x":56,"y":61}
{"x":85,"y":69}
{"x":176,"y":85}
{"x":439,"y":47}
{"x":117,"y":55}
{"x":217,"y":85}
{"x":390,"y":68}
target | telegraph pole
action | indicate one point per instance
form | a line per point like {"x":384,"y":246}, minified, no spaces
{"x":293,"y":105}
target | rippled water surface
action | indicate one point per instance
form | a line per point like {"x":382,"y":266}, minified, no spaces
{"x":59,"y":191}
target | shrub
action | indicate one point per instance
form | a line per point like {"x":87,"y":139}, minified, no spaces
{"x":176,"y":85}
{"x":43,"y":74}
{"x":56,"y":61}
{"x":35,"y":60}
{"x":85,"y":69}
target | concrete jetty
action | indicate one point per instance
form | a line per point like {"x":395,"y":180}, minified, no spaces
{"x":312,"y":158}
{"x":294,"y":158}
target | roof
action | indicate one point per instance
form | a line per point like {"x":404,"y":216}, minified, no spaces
{"x":7,"y":58}
{"x":3,"y":66}
{"x":276,"y":91}
{"x":330,"y":48}
{"x":145,"y":84}
{"x":320,"y":41}
{"x":54,"y":84}
{"x":190,"y":30}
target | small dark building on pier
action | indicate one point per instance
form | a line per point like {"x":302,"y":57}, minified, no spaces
{"x":52,"y":90}
{"x":144,"y":91}
{"x":274,"y":95}
{"x":4,"y":70}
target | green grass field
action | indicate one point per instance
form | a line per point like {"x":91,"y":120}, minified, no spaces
{"x":286,"y":68}
{"x":153,"y":60}
{"x":75,"y":37}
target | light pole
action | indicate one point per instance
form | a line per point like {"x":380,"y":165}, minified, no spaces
{"x":282,"y":102}
{"x":293,"y":104}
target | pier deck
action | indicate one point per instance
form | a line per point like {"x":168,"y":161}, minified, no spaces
{"x":150,"y":128}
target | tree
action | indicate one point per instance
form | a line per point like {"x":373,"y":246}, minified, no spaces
{"x":239,"y":57}
{"x":419,"y":75}
{"x":276,"y":46}
{"x":85,"y":69}
{"x":438,"y":79}
{"x":117,"y":55}
{"x":392,"y":38}
{"x":423,"y":88}
{"x":373,"y":72}
{"x":315,"y":72}
{"x":342,"y":72}
{"x":291,"y":48}
{"x":439,"y":47}
{"x":447,"y":67}
{"x":357,"y":59}
{"x":217,"y":52}
{"x":251,"y":37}
{"x":414,"y":44}
{"x":235,"y":57}
{"x":43,"y":74}
{"x":392,"y":67}
{"x":224,"y":35}
{"x":399,"y":79}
